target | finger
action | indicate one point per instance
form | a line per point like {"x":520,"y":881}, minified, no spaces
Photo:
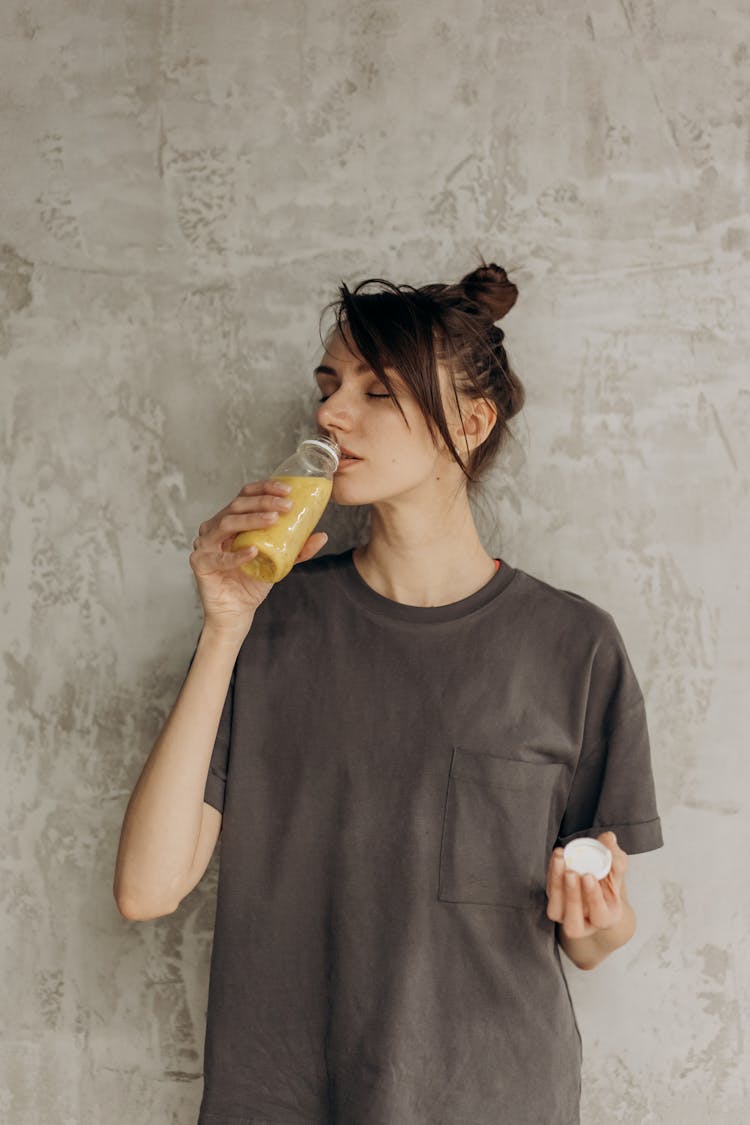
{"x":574,"y":922}
{"x":247,"y":504}
{"x":214,"y":562}
{"x":264,"y":503}
{"x":314,"y":544}
{"x":230,"y":560}
{"x":225,"y":528}
{"x":609,"y":839}
{"x":555,"y":887}
{"x":257,"y":487}
{"x":612,"y":893}
{"x":595,"y":904}
{"x":554,"y":869}
{"x":619,"y":857}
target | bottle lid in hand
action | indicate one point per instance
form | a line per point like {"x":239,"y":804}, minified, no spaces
{"x":588,"y":856}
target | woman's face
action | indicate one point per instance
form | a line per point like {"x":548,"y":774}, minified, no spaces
{"x":393,"y":459}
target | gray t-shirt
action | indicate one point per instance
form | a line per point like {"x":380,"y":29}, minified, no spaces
{"x":393,"y":779}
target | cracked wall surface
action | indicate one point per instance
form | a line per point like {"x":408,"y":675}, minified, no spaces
{"x":183,"y":185}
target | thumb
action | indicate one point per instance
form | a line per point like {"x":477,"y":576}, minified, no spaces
{"x":314,"y":544}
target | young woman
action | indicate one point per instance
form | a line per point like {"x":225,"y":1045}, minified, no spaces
{"x":395,"y":743}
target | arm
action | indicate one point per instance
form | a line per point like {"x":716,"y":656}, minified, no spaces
{"x":594,"y":918}
{"x":168,"y":833}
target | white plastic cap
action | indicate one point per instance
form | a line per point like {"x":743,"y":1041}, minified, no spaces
{"x":588,"y":856}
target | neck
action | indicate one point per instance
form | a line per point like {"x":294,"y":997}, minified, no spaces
{"x":417,"y":557}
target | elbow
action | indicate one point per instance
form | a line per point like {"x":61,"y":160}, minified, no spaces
{"x":135,"y":910}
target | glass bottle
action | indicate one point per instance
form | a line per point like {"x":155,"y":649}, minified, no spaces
{"x":309,"y":471}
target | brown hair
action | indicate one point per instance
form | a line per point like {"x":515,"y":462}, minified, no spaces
{"x":412,"y":329}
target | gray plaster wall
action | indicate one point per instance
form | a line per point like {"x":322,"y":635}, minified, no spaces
{"x":182,"y":186}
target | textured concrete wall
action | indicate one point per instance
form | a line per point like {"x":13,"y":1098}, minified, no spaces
{"x":182,"y":185}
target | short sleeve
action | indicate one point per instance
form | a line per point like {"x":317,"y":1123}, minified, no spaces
{"x":613,"y":784}
{"x":217,"y":771}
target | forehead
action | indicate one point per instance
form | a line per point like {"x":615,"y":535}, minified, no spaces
{"x":343,"y":351}
{"x":342,"y":355}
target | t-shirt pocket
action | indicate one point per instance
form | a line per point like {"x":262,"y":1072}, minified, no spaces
{"x":499,"y":826}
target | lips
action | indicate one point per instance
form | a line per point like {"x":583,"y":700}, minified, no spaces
{"x":347,"y":460}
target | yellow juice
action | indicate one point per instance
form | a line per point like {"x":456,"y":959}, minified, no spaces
{"x":279,"y":544}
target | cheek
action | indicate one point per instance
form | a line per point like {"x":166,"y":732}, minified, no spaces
{"x":411,"y":432}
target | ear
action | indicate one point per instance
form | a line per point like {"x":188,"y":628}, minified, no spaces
{"x":479,"y":416}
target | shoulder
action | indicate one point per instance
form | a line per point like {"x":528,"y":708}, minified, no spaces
{"x":564,"y":609}
{"x":576,"y":626}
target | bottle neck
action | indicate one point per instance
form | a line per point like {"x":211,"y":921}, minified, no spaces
{"x":321,"y":449}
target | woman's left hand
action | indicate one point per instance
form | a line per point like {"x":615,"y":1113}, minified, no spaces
{"x":584,"y":905}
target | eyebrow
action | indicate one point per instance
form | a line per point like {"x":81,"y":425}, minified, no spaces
{"x":324,"y":369}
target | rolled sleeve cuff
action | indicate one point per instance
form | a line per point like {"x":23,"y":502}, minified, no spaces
{"x":214,"y":791}
{"x":645,"y":836}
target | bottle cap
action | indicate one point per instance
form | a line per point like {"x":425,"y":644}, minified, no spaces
{"x":588,"y":856}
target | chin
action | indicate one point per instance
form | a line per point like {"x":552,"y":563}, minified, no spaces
{"x":339,"y":496}
{"x":349,"y":495}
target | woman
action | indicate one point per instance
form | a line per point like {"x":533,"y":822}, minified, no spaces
{"x":395,"y":743}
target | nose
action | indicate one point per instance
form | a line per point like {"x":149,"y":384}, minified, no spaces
{"x":333,"y":414}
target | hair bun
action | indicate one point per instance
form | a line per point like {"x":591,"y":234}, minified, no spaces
{"x":490,"y":287}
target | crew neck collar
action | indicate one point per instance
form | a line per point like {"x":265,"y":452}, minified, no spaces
{"x":377,"y":604}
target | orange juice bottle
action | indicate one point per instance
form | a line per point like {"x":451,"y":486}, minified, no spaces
{"x":309,"y":471}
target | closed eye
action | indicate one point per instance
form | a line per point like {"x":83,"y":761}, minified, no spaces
{"x":323,"y":399}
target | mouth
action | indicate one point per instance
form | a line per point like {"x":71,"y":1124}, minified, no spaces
{"x":347,"y":460}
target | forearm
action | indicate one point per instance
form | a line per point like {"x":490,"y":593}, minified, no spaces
{"x":588,"y":952}
{"x":162,"y":822}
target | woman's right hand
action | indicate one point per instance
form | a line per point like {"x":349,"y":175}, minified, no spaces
{"x":229,"y":596}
